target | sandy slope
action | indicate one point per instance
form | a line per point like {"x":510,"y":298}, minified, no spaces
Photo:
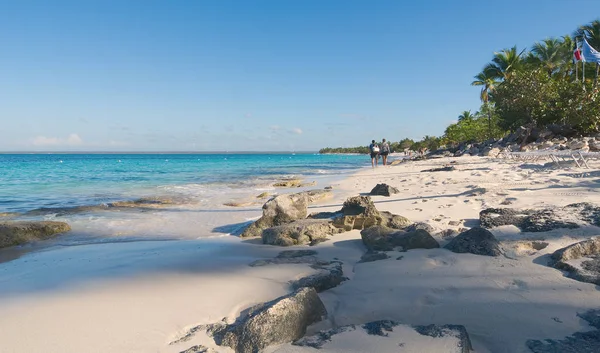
{"x":137,"y":297}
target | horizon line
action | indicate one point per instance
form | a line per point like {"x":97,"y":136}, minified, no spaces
{"x":155,"y":152}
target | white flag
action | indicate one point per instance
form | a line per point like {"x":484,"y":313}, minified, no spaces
{"x":588,"y":53}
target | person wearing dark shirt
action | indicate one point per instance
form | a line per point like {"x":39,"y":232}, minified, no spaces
{"x":374,"y":149}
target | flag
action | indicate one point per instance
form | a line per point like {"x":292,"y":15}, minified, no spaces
{"x":588,"y":53}
{"x":577,"y":54}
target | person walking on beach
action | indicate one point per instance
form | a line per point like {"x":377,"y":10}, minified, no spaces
{"x":374,"y":148}
{"x":385,"y":150}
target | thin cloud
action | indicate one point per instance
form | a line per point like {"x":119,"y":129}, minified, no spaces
{"x":71,"y":140}
{"x":297,"y":131}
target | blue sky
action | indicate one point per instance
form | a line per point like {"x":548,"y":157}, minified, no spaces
{"x":145,"y":75}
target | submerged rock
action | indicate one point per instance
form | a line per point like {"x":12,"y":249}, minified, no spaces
{"x":282,"y":320}
{"x":384,"y":190}
{"x":21,"y":232}
{"x":476,"y":241}
{"x":304,"y":231}
{"x":279,"y":210}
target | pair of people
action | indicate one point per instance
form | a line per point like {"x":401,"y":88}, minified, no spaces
{"x":379,"y":150}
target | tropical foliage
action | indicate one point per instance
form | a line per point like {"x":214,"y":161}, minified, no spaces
{"x":537,"y":87}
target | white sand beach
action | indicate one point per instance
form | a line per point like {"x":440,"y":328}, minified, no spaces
{"x":140,"y":296}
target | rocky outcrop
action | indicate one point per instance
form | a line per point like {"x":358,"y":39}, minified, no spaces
{"x":570,"y":216}
{"x":282,"y":320}
{"x":385,"y":329}
{"x":476,"y":241}
{"x":579,"y":342}
{"x":304,"y":231}
{"x":583,"y":271}
{"x":17,"y":232}
{"x":359,"y":212}
{"x":198,"y":349}
{"x":329,"y":276}
{"x":279,"y":210}
{"x":380,"y":238}
{"x":420,"y":225}
{"x":384,"y":190}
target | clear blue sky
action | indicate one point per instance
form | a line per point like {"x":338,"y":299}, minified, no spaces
{"x":251,"y":75}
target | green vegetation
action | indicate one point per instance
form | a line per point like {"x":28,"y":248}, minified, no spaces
{"x":535,"y":88}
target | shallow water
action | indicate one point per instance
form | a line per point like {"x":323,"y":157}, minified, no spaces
{"x":183,"y":193}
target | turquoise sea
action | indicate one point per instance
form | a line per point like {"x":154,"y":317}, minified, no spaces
{"x":47,"y":181}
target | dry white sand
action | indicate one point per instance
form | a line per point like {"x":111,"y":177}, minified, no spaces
{"x":138,"y":297}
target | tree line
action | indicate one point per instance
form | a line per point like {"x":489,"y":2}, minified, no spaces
{"x":534,"y":88}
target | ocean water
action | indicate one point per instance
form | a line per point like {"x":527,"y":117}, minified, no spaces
{"x":34,"y":181}
{"x":80,"y":188}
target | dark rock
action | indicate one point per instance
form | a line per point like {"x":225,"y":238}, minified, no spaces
{"x":384,"y":190}
{"x":442,"y":169}
{"x":325,"y":215}
{"x":476,"y":241}
{"x":288,"y":254}
{"x":570,"y":216}
{"x":380,"y":238}
{"x":282,"y":320}
{"x":20,"y":232}
{"x":420,"y":225}
{"x":383,"y":328}
{"x":394,"y":221}
{"x":358,"y":212}
{"x":442,"y":331}
{"x":371,"y":256}
{"x":579,"y":342}
{"x":304,"y":231}
{"x":279,"y":210}
{"x":198,"y":349}
{"x":583,"y":271}
{"x":329,"y":276}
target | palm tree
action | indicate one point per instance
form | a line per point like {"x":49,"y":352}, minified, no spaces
{"x":505,"y":63}
{"x":488,"y":80}
{"x":548,"y":55}
{"x":466,"y":115}
{"x":591,"y":32}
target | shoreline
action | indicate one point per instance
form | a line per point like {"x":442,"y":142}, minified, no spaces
{"x":155,"y":291}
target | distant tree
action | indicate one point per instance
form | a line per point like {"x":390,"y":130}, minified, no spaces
{"x":406,"y":143}
{"x":591,"y":32}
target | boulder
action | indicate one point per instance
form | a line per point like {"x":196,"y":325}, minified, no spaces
{"x":282,"y":320}
{"x":394,"y":335}
{"x":394,"y":221}
{"x":420,"y":225}
{"x":578,"y":144}
{"x":384,"y":190}
{"x":381,"y":238}
{"x":358,"y":212}
{"x":329,"y":276}
{"x":476,"y":241}
{"x":20,"y":232}
{"x":568,"y":259}
{"x":594,"y":145}
{"x":304,"y":231}
{"x":492,"y":152}
{"x":279,"y":210}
